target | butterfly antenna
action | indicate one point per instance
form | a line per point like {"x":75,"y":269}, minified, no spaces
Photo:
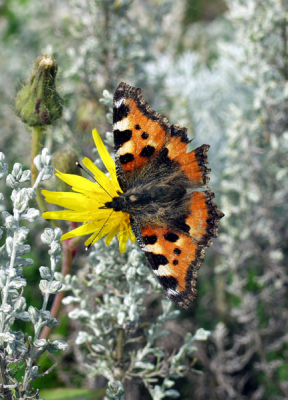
{"x":87,"y":172}
{"x":94,"y":240}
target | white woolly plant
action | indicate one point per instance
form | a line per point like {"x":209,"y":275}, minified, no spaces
{"x":123,"y":343}
{"x":18,"y":351}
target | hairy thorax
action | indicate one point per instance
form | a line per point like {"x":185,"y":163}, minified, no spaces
{"x":152,"y":201}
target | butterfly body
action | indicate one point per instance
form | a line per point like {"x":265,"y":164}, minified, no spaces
{"x":172,"y":217}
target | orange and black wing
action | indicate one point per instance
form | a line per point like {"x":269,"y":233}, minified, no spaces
{"x":149,"y":149}
{"x":139,"y":132}
{"x":176,"y":252}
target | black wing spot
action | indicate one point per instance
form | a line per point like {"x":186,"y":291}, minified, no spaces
{"x":171,"y":237}
{"x":168,"y":282}
{"x":126,"y":158}
{"x":179,"y":132}
{"x":138,"y":127}
{"x":177,"y":251}
{"x":150,"y":239}
{"x":147,"y":151}
{"x":157,"y":260}
{"x":144,"y":135}
{"x":180,"y":223}
{"x":175,"y":262}
{"x":121,"y":137}
{"x":120,"y":113}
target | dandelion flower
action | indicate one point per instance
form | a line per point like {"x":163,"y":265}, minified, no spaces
{"x":84,"y":204}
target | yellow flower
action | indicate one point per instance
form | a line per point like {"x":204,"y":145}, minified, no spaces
{"x":85,"y":205}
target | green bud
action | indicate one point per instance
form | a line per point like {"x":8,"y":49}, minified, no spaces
{"x":65,"y":161}
{"x":38,"y":103}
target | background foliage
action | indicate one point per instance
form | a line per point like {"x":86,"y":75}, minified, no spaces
{"x":221,"y":70}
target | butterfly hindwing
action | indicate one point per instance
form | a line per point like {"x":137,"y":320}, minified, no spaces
{"x":176,"y":252}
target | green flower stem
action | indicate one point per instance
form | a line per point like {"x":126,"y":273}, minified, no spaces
{"x":35,"y":145}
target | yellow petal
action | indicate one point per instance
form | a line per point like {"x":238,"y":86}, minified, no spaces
{"x":78,"y":182}
{"x":111,"y":234}
{"x":103,"y":180}
{"x":74,"y":201}
{"x":85,"y":229}
{"x":123,"y":237}
{"x":73,"y":216}
{"x":105,"y":156}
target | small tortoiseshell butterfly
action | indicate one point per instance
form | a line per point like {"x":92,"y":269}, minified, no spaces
{"x":172,"y":218}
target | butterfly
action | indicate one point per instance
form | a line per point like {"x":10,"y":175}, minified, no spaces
{"x":172,"y":216}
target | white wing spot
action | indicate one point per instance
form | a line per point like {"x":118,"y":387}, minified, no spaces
{"x":172,"y":292}
{"x":118,"y":103}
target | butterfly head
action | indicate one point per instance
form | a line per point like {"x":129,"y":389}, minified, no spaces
{"x":119,"y":203}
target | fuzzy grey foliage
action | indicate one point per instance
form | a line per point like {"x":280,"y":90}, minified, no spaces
{"x":17,"y":349}
{"x":110,"y":306}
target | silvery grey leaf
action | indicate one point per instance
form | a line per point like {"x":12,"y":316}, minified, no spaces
{"x":201,"y":334}
{"x":8,"y":337}
{"x":172,"y":393}
{"x":23,"y":316}
{"x":144,"y":365}
{"x":55,"y":248}
{"x":20,"y":303}
{"x":47,"y":236}
{"x":98,"y":348}
{"x":21,"y":235}
{"x":20,"y":347}
{"x":71,"y":299}
{"x":9,"y":245}
{"x":57,"y":234}
{"x":84,"y":337}
{"x":31,"y":214}
{"x":26,"y":176}
{"x":34,"y":314}
{"x":11,"y":181}
{"x":45,"y":273}
{"x":17,"y":171}
{"x":51,"y":322}
{"x":13,"y":293}
{"x":23,"y":249}
{"x":21,"y":200}
{"x":77,"y":313}
{"x":5,"y":308}
{"x":3,"y":166}
{"x":34,"y":371}
{"x":38,"y":162}
{"x":48,"y":173}
{"x":55,"y":287}
{"x":115,"y":391}
{"x":57,"y":345}
{"x":47,"y":160}
{"x":44,"y":286}
{"x":18,"y":283}
{"x":40,"y":343}
{"x":23,"y":262}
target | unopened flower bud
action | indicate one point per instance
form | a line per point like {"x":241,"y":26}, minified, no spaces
{"x":65,"y":161}
{"x":38,"y":103}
